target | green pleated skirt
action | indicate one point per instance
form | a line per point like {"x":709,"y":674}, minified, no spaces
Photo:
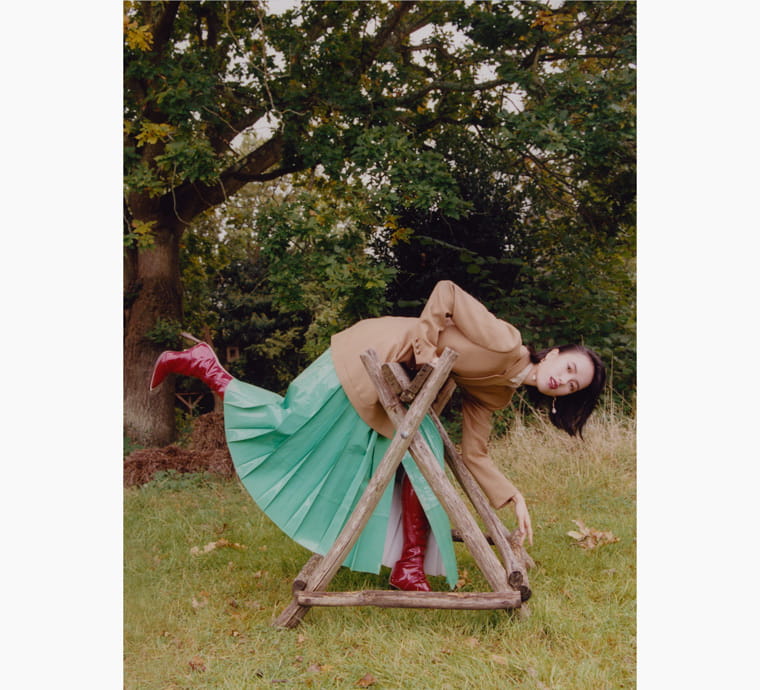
{"x":306,"y":459}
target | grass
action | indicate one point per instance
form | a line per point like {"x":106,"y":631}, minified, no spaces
{"x":203,"y":620}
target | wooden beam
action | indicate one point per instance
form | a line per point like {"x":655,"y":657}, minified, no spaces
{"x":413,"y":600}
{"x":303,"y":577}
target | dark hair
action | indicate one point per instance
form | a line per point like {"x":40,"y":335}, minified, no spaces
{"x":573,"y":410}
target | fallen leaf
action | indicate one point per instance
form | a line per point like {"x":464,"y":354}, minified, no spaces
{"x":197,"y":664}
{"x":366,"y":680}
{"x":500,"y":659}
{"x":314,"y":668}
{"x":588,"y":538}
{"x":219,"y":544}
{"x":472,"y":642}
{"x":464,"y":579}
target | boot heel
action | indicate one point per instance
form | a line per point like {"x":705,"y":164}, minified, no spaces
{"x":190,"y":337}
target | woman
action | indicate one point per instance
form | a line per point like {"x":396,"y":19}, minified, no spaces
{"x":306,"y":458}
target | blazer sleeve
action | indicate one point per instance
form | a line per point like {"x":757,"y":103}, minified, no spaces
{"x":449,"y":305}
{"x":476,"y":429}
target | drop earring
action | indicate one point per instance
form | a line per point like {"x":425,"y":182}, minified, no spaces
{"x":554,"y":408}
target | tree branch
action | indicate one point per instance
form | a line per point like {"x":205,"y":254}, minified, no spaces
{"x":162,"y":28}
{"x":386,"y":30}
{"x":265,"y":177}
{"x":191,"y":198}
{"x":548,"y":57}
{"x":445,"y":86}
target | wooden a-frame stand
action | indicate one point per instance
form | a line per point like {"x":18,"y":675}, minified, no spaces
{"x":507,"y":577}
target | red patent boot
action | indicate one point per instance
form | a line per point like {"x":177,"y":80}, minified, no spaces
{"x":408,"y":573}
{"x":199,"y":361}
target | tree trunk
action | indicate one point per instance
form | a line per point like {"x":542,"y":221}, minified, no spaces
{"x":152,"y":278}
{"x":153,"y":289}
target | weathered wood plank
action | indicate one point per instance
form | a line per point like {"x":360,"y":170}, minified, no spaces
{"x":414,"y":387}
{"x":417,"y":600}
{"x":303,"y":577}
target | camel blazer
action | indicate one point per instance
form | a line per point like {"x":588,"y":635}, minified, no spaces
{"x":492,"y":362}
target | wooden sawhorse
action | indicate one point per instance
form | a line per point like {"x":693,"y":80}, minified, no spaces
{"x":507,"y":577}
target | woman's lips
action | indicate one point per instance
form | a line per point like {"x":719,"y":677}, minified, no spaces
{"x":552,"y":383}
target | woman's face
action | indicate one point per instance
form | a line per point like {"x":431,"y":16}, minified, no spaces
{"x":563,"y":373}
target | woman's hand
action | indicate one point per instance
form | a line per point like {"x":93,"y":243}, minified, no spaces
{"x":523,"y":518}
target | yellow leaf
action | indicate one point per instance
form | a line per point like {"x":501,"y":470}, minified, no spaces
{"x":153,"y":132}
{"x":366,"y":681}
{"x":138,"y":37}
{"x":400,"y":235}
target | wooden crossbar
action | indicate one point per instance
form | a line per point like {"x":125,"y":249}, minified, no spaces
{"x":413,"y":600}
{"x":507,"y":578}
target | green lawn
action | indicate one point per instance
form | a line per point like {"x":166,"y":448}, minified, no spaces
{"x":202,"y":619}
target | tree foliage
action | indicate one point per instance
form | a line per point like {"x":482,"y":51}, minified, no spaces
{"x":373,"y":103}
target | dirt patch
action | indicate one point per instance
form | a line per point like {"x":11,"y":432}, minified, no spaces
{"x":207,"y":452}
